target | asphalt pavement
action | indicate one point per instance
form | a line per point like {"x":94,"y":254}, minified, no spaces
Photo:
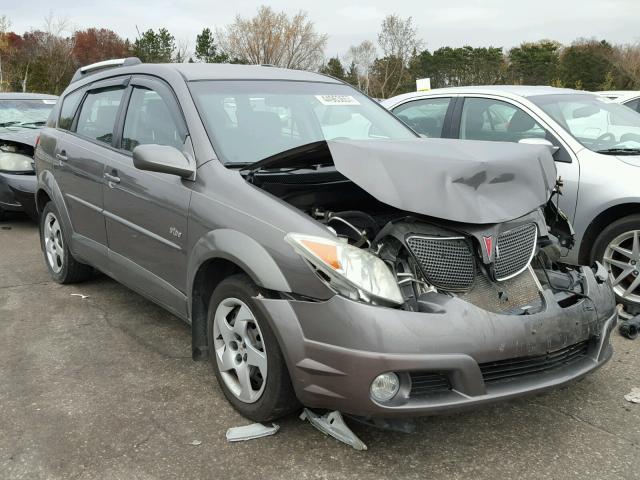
{"x":103,"y":387}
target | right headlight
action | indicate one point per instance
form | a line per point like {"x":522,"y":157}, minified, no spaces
{"x":353,"y":272}
{"x":15,"y":162}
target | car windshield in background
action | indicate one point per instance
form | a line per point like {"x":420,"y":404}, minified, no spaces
{"x":248,"y":121}
{"x":25,"y":112}
{"x":597,"y":123}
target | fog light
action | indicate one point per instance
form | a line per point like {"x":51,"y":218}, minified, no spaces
{"x":384,"y":387}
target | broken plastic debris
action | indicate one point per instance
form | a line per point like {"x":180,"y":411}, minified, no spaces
{"x":633,"y":396}
{"x":195,"y":443}
{"x":249,"y":432}
{"x":79,"y":295}
{"x":333,"y":425}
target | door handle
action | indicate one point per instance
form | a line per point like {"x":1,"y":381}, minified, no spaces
{"x":62,"y":157}
{"x":111,"y":179}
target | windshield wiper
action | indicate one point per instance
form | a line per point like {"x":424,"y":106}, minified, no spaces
{"x":619,"y":151}
{"x":38,"y":123}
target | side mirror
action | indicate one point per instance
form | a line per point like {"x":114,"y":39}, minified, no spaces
{"x":542,"y":142}
{"x":163,"y":159}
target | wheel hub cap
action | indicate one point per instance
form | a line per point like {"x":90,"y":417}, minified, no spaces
{"x":53,"y":242}
{"x":621,"y":258}
{"x":239,"y":350}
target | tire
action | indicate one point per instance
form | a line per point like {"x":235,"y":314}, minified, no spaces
{"x":62,"y":267}
{"x":235,"y":350}
{"x":624,"y":268}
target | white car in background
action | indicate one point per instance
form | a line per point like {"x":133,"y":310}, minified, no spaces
{"x":596,"y":145}
{"x":628,"y":98}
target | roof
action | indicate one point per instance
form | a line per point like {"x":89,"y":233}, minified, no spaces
{"x":26,"y":96}
{"x":224,"y":71}
{"x":203,"y":71}
{"x":515,"y":90}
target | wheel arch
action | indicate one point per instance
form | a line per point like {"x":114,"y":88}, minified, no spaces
{"x":216,"y":256}
{"x":604,"y":218}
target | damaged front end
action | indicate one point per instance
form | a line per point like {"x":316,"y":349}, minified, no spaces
{"x":480,"y":310}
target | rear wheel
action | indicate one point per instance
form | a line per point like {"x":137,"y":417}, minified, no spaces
{"x":246,"y":357}
{"x":618,"y":248}
{"x":60,"y":262}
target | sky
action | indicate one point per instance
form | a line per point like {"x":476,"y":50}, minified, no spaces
{"x":500,"y":23}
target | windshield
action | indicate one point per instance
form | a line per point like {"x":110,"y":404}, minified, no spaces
{"x":248,"y":121}
{"x":25,"y":112}
{"x":597,"y":123}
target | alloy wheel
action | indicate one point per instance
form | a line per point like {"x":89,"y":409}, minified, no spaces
{"x":239,"y":348}
{"x":622,"y":260}
{"x":53,"y":242}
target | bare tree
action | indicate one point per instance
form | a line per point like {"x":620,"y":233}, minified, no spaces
{"x":275,"y":39}
{"x":627,"y":59}
{"x":5,"y":24}
{"x":362,"y":56}
{"x":55,"y":49}
{"x":398,"y":40}
{"x":181,"y":54}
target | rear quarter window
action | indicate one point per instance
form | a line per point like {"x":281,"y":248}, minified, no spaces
{"x":68,"y":109}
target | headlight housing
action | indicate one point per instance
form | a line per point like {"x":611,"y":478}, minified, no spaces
{"x":15,"y":162}
{"x":352,"y":272}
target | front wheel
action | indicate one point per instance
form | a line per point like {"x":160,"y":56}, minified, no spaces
{"x":246,"y":357}
{"x":62,"y":267}
{"x":618,"y":248}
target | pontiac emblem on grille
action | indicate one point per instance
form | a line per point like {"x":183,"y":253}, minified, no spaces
{"x":488,"y":245}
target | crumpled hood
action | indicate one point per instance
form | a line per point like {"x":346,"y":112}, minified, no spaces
{"x":20,"y":135}
{"x":458,"y":180}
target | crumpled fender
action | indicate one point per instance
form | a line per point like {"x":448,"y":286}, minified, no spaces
{"x":242,"y":250}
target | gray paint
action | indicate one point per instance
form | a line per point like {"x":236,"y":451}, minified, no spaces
{"x":462,"y":181}
{"x":333,"y":347}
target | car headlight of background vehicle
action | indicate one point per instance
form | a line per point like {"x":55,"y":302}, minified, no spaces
{"x":15,"y":162}
{"x":352,"y":272}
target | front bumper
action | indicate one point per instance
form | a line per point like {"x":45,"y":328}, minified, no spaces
{"x":17,"y":193}
{"x":334,"y":349}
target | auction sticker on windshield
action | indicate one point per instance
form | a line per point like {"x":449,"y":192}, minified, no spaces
{"x":337,"y":100}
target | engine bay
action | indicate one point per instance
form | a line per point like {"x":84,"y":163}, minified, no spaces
{"x":502,"y":268}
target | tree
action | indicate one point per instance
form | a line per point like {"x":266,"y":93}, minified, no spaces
{"x":398,"y":41}
{"x":45,"y":58}
{"x":206,"y":49}
{"x":585,"y":64}
{"x":626,"y":59}
{"x":351,"y":75}
{"x":275,"y":39}
{"x":334,"y":68}
{"x":5,"y":24}
{"x":466,"y":65}
{"x":94,"y":45}
{"x":534,"y":63}
{"x":152,"y":47}
{"x":362,"y":57}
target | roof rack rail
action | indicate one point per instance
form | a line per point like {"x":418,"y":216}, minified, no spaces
{"x":95,"y":67}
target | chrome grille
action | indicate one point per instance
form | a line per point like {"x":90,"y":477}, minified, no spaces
{"x":514,"y":250}
{"x":447,"y":263}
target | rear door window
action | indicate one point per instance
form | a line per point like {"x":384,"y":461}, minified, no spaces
{"x":425,"y":116}
{"x":98,"y":114}
{"x":497,"y":121}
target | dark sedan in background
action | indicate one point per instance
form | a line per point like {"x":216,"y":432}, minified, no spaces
{"x":22,"y":115}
